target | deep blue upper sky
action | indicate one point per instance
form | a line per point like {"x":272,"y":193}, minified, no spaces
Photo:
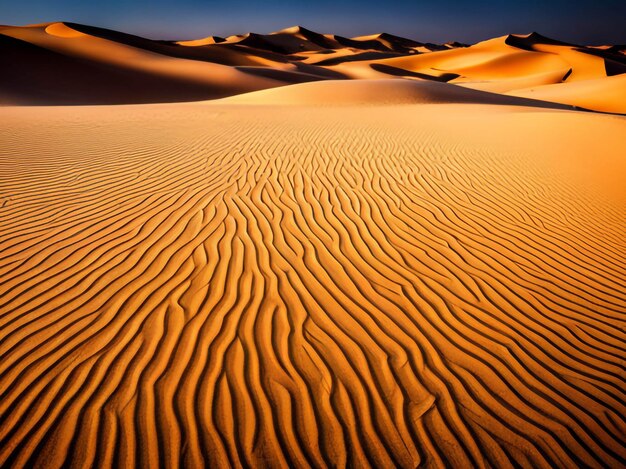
{"x":589,"y":21}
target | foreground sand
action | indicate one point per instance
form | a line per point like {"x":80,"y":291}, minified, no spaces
{"x":300,"y":285}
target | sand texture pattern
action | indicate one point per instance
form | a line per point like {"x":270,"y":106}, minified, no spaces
{"x":254,"y":285}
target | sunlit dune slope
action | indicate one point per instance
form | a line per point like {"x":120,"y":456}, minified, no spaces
{"x":603,"y":94}
{"x":513,"y":63}
{"x":378,"y":92}
{"x":490,"y":59}
{"x":231,"y":285}
{"x":202,"y":42}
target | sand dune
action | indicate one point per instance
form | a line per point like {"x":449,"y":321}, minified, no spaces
{"x":69,"y":63}
{"x":379,"y":92}
{"x":210,"y":283}
{"x":602,"y":94}
{"x":55,"y":64}
{"x":512,"y":63}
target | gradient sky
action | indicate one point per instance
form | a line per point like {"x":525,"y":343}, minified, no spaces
{"x":588,"y":22}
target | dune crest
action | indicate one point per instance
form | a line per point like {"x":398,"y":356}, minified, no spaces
{"x":202,"y":42}
{"x":62,"y":30}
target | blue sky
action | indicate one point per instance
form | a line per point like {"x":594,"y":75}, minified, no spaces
{"x":590,"y":22}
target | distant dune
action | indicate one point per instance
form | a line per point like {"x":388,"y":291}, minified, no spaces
{"x":67,"y":63}
{"x":346,"y":252}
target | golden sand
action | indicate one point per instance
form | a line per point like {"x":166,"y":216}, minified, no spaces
{"x":366,"y":273}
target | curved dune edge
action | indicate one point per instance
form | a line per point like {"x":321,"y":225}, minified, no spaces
{"x":62,"y":30}
{"x":203,"y":284}
{"x":378,"y":92}
{"x":201,"y":42}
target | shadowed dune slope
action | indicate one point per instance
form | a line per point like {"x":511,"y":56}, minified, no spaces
{"x":56,"y":64}
{"x":216,"y":284}
{"x":35,"y":75}
{"x":223,"y":54}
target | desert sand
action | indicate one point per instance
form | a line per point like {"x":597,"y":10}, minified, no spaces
{"x":380,"y":272}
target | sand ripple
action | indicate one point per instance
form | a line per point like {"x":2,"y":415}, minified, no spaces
{"x":196,"y":284}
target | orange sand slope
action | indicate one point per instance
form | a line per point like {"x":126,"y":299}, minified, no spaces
{"x":379,"y":92}
{"x":241,"y":283}
{"x":67,"y":63}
